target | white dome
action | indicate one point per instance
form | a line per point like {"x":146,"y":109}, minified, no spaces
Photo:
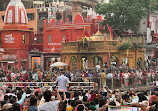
{"x":15,"y":13}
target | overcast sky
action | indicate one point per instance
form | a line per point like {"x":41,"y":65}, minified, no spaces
{"x":106,"y":1}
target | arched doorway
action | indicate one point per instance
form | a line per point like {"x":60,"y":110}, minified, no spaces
{"x":10,"y":66}
{"x":96,"y":60}
{"x":84,"y":63}
{"x":125,"y":61}
{"x":65,"y":60}
{"x":113,"y":60}
{"x":139,"y":63}
{"x":73,"y":63}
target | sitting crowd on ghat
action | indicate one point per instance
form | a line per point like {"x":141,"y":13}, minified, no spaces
{"x":62,"y":98}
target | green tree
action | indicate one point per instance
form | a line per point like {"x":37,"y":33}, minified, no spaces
{"x":126,"y":14}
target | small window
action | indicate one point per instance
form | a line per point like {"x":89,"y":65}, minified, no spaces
{"x":41,"y":29}
{"x":43,"y":16}
{"x":3,"y":17}
{"x":30,"y":28}
{"x":30,"y":16}
{"x":49,"y":39}
{"x":24,"y":38}
{"x":70,"y":17}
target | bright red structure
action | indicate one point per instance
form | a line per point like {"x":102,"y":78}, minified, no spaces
{"x":54,"y":33}
{"x":24,"y":51}
{"x":15,"y":37}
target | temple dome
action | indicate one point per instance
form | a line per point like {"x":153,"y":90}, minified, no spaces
{"x":98,"y":36}
{"x":15,"y":13}
{"x":78,"y":19}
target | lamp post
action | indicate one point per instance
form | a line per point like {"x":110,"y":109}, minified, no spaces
{"x":1,"y":52}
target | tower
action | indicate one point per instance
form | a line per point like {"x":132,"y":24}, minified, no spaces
{"x":15,"y":36}
{"x":77,"y":6}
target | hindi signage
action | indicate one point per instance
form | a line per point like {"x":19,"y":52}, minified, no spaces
{"x":9,"y":57}
{"x":9,"y":38}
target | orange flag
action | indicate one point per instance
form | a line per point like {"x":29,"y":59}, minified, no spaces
{"x":110,"y":30}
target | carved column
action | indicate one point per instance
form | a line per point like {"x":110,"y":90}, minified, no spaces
{"x":42,"y":61}
{"x":30,"y":61}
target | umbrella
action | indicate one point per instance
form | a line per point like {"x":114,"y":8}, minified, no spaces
{"x":58,"y":64}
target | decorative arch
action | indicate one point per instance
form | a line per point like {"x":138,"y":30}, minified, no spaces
{"x":96,"y":60}
{"x":65,"y":59}
{"x":73,"y":61}
{"x":114,"y":60}
{"x":139,"y":62}
{"x":83,"y":62}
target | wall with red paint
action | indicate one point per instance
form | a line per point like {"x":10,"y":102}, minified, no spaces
{"x":13,"y":39}
{"x":12,"y":42}
{"x":75,"y":31}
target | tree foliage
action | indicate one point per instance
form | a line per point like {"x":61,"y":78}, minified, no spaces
{"x":124,"y":46}
{"x":126,"y":14}
{"x":132,"y":46}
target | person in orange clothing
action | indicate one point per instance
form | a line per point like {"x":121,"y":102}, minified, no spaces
{"x":69,"y":107}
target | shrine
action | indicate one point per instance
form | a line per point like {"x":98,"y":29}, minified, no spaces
{"x":99,"y":49}
{"x":15,"y":37}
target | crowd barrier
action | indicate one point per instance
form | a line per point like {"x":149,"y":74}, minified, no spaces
{"x":96,"y":82}
{"x":73,"y":85}
{"x":121,"y":82}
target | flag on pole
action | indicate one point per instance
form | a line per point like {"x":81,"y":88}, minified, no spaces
{"x":104,"y":38}
{"x":109,"y":54}
{"x":86,"y":32}
{"x":110,"y":30}
{"x":148,"y":22}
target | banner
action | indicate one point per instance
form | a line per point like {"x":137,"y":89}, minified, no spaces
{"x":123,"y":109}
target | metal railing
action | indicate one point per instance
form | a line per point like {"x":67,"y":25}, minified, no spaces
{"x":73,"y":85}
{"x":121,"y":82}
{"x":94,"y":82}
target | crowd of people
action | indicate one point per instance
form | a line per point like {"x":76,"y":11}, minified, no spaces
{"x":61,"y":99}
{"x":23,"y":96}
{"x":125,"y":77}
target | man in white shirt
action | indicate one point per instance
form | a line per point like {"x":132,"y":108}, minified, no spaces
{"x":109,"y":77}
{"x":12,"y":74}
{"x":97,"y":67}
{"x":62,"y":82}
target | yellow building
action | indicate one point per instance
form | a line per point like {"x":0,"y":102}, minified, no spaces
{"x":97,"y":49}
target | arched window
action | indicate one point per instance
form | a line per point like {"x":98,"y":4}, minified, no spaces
{"x":84,"y":62}
{"x":113,"y":60}
{"x":73,"y":63}
{"x":96,"y":60}
{"x":139,"y":62}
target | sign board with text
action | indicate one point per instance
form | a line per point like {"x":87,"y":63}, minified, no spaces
{"x":9,"y":38}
